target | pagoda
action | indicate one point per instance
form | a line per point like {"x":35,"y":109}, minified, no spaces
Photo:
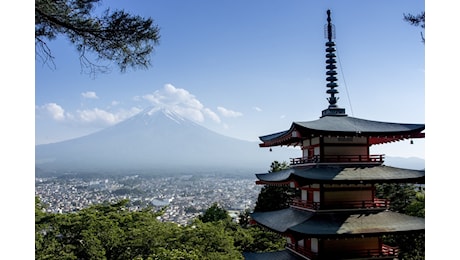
{"x":336,"y":214}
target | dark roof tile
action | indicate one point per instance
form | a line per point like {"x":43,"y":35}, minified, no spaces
{"x":339,"y":173}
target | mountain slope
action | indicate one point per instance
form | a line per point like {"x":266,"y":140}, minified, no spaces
{"x":156,"y":140}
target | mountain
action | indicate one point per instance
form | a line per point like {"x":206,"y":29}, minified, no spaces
{"x":157,"y":141}
{"x":163,"y":142}
{"x":413,"y":163}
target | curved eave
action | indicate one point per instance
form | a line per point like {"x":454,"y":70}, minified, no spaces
{"x":280,"y":138}
{"x":339,"y":223}
{"x":278,"y":176}
{"x":336,"y":174}
{"x":378,"y":132}
{"x":389,"y":139}
{"x":352,"y":224}
{"x":281,"y":220}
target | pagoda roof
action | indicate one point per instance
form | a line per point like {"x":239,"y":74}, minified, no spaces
{"x":276,"y":255}
{"x":328,"y":174}
{"x":379,"y":132}
{"x":349,"y":223}
{"x":281,"y":220}
{"x":359,"y":223}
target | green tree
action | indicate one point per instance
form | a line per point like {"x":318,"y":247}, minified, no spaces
{"x":111,"y":231}
{"x":244,"y":218}
{"x":115,"y":36}
{"x":277,"y":166}
{"x":416,"y":207}
{"x":263,"y":240}
{"x":274,"y":197}
{"x":212,"y":240}
{"x":399,"y":195}
{"x":214,"y":213}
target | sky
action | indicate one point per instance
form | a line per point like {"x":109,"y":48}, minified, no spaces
{"x":246,"y":69}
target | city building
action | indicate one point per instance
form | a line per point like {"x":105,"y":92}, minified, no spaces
{"x":336,"y":214}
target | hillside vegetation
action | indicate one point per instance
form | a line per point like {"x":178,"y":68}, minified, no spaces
{"x":110,"y":231}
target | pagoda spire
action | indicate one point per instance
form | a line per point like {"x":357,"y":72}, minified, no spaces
{"x":333,"y":109}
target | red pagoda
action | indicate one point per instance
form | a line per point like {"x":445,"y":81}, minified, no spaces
{"x":337,"y":214}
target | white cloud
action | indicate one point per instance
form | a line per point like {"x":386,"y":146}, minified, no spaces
{"x":54,"y":110}
{"x":95,"y":117}
{"x":100,"y":117}
{"x":89,"y":94}
{"x":96,"y":114}
{"x":228,"y":113}
{"x":208,"y":112}
{"x":181,"y":102}
{"x":174,"y":99}
{"x":258,"y":109}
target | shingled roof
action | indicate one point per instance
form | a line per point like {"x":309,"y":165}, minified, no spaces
{"x":378,"y":132}
{"x":346,"y":223}
{"x":282,"y":219}
{"x":324,"y":174}
{"x":338,"y":223}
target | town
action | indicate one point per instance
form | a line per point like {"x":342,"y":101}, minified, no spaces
{"x":182,"y":197}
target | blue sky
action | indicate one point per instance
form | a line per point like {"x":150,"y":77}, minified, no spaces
{"x":246,"y":69}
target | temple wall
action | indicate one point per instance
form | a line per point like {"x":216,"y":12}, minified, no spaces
{"x":315,"y":140}
{"x":345,"y":150}
{"x":335,"y":196}
{"x":345,"y":140}
{"x":351,"y":244}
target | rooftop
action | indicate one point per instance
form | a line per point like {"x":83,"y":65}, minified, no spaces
{"x":338,"y":224}
{"x":349,"y":174}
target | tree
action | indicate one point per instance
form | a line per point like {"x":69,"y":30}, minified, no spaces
{"x":258,"y":239}
{"x":277,"y":166}
{"x":416,"y":20}
{"x":214,"y":213}
{"x":244,"y":218}
{"x":114,"y":36}
{"x":399,"y":195}
{"x":274,"y":197}
{"x":417,"y":206}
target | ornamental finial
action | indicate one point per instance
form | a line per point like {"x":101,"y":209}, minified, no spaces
{"x":331,"y":73}
{"x":329,"y":26}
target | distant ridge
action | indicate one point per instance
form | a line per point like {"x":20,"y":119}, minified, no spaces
{"x":160,"y":141}
{"x":413,"y":163}
{"x":157,"y":140}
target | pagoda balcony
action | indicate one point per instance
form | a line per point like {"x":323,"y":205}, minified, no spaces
{"x":367,"y":159}
{"x":358,"y":204}
{"x":384,"y":252}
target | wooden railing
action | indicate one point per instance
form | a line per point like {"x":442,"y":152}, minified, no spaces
{"x":376,"y":158}
{"x":384,"y":251}
{"x":305,"y":204}
{"x":390,"y":250}
{"x":303,"y":251}
{"x":361,"y":204}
